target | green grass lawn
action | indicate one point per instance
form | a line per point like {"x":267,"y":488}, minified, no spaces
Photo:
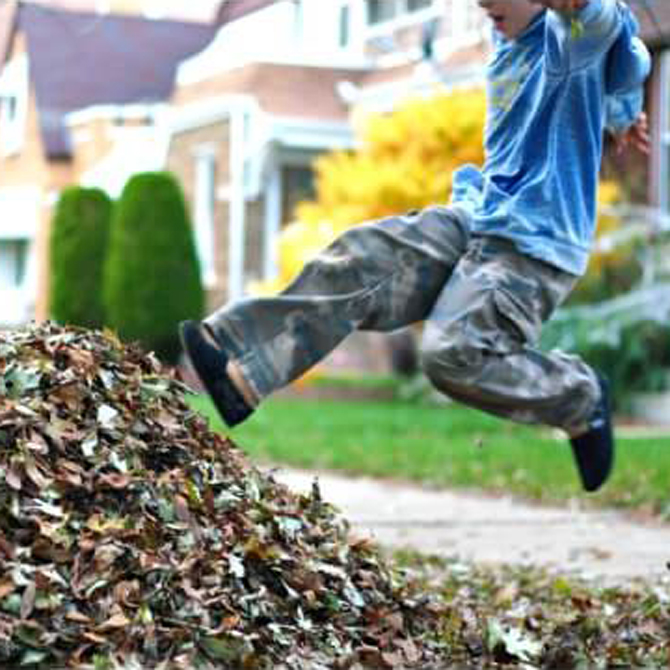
{"x":446,"y":446}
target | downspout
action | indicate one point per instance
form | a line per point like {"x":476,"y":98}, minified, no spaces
{"x":272,"y":223}
{"x":662,"y":167}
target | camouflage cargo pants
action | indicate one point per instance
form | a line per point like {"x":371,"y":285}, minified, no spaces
{"x":483,"y":304}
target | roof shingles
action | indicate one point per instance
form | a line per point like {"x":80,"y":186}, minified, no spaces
{"x":80,"y":59}
{"x":236,"y":9}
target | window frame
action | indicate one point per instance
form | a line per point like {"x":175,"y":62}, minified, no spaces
{"x":418,"y":9}
{"x":20,"y":263}
{"x":14,"y":92}
{"x":344,"y":27}
{"x":402,"y":17}
{"x":292,"y":172}
{"x":204,"y":212}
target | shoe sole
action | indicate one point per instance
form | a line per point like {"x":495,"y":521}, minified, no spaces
{"x":209,"y":365}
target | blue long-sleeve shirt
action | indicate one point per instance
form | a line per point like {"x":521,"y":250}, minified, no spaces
{"x":550,"y":95}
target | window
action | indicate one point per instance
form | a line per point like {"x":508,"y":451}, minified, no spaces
{"x":13,"y":263}
{"x":381,"y":11}
{"x":13,"y":104}
{"x":298,"y":185}
{"x":344,"y":37}
{"x":299,"y":20}
{"x":205,"y":202}
{"x":8,"y":109}
{"x":416,"y":5}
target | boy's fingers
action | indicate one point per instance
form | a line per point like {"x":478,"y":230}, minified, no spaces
{"x":642,"y":142}
{"x":637,"y":135}
{"x":620,"y":142}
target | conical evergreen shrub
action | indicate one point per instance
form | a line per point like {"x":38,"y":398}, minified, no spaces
{"x":152,"y":274}
{"x":78,"y":246}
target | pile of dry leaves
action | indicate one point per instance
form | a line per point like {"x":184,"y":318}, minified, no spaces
{"x":130,"y":535}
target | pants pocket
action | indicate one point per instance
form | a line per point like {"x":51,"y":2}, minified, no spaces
{"x":519,"y":312}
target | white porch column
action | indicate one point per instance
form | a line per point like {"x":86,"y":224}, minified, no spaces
{"x":272,"y":223}
{"x":203,"y":215}
{"x":20,"y":212}
{"x":237,"y":213}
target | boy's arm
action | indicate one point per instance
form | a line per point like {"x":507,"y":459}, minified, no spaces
{"x":628,"y":60}
{"x":627,"y":66}
{"x":622,"y":110}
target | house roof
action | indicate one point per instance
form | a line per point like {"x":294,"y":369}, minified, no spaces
{"x":79,"y":59}
{"x":236,"y":9}
{"x":201,"y":11}
{"x":8,"y":11}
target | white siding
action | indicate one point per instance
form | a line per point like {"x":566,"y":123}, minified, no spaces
{"x":14,"y":93}
{"x":205,"y":201}
{"x":19,"y":219}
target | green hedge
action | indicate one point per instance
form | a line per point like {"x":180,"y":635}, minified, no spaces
{"x":152,"y":274}
{"x":78,"y":246}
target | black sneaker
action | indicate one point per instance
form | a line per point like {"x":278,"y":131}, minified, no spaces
{"x":209,"y":363}
{"x":594,"y":449}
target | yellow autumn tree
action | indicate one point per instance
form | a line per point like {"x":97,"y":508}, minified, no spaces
{"x":405,"y":160}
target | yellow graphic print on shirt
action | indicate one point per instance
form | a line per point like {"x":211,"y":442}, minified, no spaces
{"x":507,"y":76}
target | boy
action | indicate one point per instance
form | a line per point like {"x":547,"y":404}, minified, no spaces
{"x":485,"y":272}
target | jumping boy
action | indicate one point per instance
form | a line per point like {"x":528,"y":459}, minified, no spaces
{"x":486,"y":271}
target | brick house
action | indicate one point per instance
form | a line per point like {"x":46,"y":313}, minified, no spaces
{"x":55,"y":62}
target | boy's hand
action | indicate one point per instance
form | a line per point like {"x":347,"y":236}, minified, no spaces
{"x":636,"y":135}
{"x":562,"y":5}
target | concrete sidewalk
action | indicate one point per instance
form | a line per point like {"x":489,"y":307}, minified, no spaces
{"x":602,"y":545}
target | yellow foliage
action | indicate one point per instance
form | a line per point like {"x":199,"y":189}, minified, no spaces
{"x":608,"y":194}
{"x":405,"y":160}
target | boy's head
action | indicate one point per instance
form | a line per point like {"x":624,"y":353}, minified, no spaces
{"x":510,"y":17}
